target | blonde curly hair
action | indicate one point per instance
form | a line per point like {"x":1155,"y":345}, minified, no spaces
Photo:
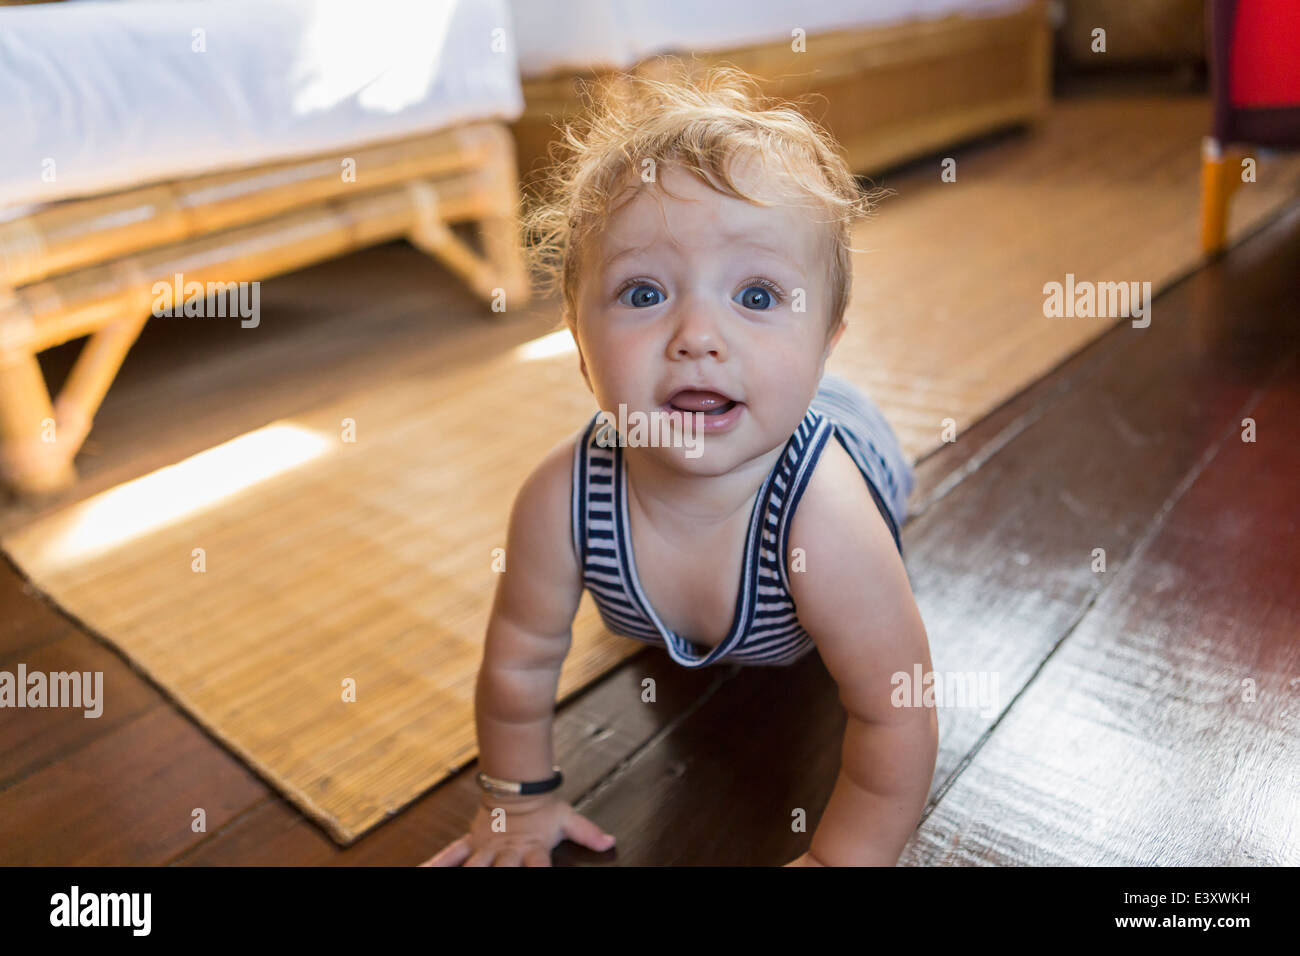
{"x":698,"y":123}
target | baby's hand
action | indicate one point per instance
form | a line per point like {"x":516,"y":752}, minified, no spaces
{"x":532,"y":830}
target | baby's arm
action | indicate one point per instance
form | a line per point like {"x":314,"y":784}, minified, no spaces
{"x":856,"y":603}
{"x":528,"y":636}
{"x":529,"y":631}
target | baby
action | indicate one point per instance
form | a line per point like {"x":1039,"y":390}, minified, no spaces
{"x":701,"y":242}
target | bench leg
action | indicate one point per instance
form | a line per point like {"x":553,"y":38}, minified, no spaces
{"x":38,"y":438}
{"x":96,"y":367}
{"x":1220,"y":177}
{"x":498,"y":275}
{"x":34,"y":458}
{"x":431,"y":234}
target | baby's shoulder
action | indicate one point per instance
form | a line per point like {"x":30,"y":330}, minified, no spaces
{"x":554,"y":472}
{"x":853,"y":587}
{"x":541,"y":513}
{"x":836,"y":519}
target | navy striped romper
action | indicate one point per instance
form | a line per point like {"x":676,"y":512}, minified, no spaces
{"x":764,"y":629}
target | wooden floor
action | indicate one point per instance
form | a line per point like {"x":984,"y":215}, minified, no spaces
{"x":1122,"y":732}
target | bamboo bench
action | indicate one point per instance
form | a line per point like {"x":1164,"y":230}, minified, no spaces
{"x":87,"y":267}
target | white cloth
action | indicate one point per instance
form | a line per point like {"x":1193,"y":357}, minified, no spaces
{"x":103,"y":96}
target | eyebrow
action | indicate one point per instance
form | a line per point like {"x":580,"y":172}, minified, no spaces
{"x":730,"y":237}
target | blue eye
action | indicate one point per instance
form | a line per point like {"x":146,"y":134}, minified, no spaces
{"x":639,"y":296}
{"x":756,"y":297}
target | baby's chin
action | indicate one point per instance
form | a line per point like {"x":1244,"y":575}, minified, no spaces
{"x":704,"y":456}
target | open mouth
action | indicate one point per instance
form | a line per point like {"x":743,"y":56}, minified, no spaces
{"x":699,"y":400}
{"x":716,"y":410}
{"x":718,"y":413}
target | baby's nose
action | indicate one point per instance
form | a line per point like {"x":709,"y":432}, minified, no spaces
{"x":698,"y":332}
{"x":696,"y":341}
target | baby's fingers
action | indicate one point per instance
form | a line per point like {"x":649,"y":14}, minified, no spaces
{"x":450,"y":855}
{"x":581,"y":830}
{"x":537,"y":856}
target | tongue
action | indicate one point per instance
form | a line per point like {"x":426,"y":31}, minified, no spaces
{"x":699,"y":401}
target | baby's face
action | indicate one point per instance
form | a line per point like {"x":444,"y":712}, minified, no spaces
{"x":701,"y":291}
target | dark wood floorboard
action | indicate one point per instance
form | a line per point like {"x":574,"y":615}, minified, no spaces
{"x":999,"y":559}
{"x":1166,"y":729}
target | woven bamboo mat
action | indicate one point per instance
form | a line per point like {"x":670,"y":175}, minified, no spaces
{"x":328,"y":564}
{"x":947,"y":317}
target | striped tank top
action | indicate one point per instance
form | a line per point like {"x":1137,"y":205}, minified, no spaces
{"x":764,"y":629}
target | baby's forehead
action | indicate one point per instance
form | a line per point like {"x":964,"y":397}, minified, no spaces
{"x":679,"y":208}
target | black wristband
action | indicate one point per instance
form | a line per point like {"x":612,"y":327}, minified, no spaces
{"x":516,"y":788}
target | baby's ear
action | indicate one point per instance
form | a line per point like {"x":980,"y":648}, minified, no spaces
{"x":834,"y":339}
